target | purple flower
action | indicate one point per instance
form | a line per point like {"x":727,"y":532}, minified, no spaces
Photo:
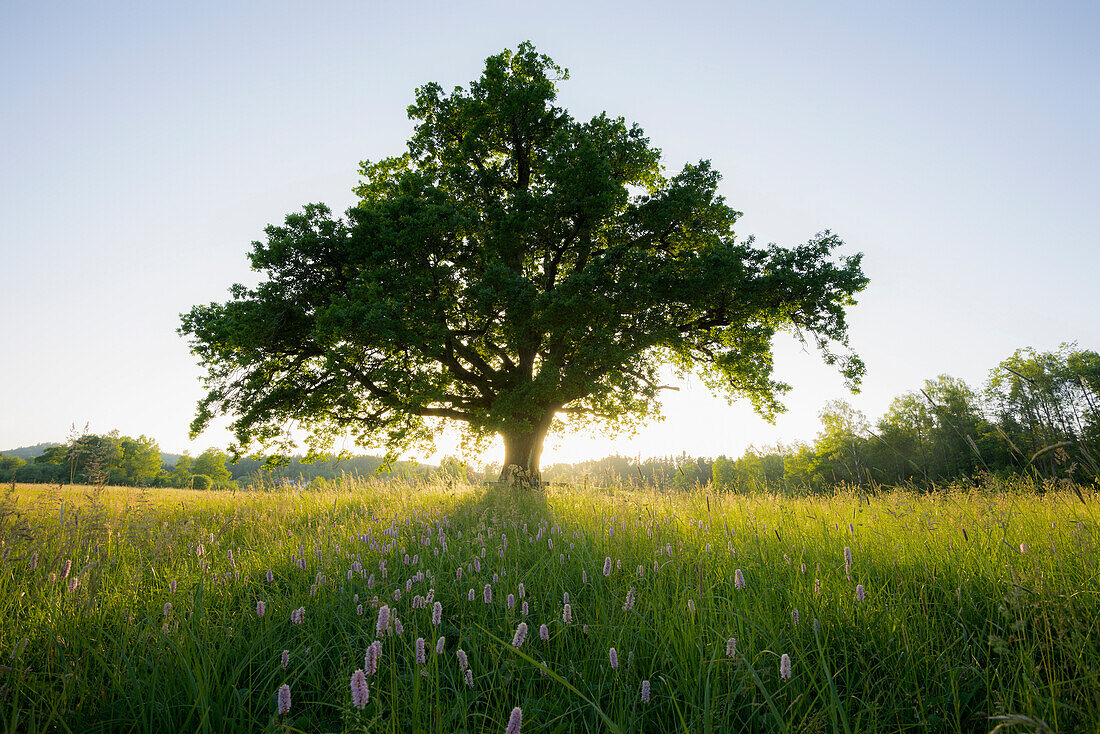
{"x":860,"y":594}
{"x":284,"y":699}
{"x":629,"y":600}
{"x":370,"y":660}
{"x":260,"y":609}
{"x":167,"y":608}
{"x":567,"y":614}
{"x":437,"y":614}
{"x":360,"y":694}
{"x":285,"y":658}
{"x":645,"y":691}
{"x":614,"y":658}
{"x":463,"y":661}
{"x":511,"y":602}
{"x":731,"y":647}
{"x":738,"y":579}
{"x":514,"y":721}
{"x":383,"y":620}
{"x":439,"y":644}
{"x":298,"y":615}
{"x":785,"y":667}
{"x":607,"y":566}
{"x":544,"y":633}
{"x":421,"y":653}
{"x":520,"y":636}
{"x":487,"y":594}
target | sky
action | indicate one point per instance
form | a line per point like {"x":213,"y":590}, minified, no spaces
{"x":146,"y":145}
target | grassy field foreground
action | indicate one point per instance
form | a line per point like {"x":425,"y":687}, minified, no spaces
{"x":170,"y":610}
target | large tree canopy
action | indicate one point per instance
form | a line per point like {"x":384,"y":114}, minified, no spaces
{"x":513,"y":269}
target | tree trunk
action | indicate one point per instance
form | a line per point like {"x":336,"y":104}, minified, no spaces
{"x":522,"y":450}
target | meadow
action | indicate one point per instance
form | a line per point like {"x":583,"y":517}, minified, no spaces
{"x":445,"y":608}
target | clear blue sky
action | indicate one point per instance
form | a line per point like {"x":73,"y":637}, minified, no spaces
{"x":145,"y":145}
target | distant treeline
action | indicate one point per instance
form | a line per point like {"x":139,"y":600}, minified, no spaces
{"x":1037,"y":414}
{"x":138,"y":462}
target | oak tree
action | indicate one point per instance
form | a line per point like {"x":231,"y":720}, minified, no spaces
{"x":514,"y":270}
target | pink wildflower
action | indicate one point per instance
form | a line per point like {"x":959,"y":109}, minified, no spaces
{"x":645,"y":691}
{"x":285,"y":659}
{"x":370,"y":660}
{"x":514,"y":721}
{"x":629,"y":600}
{"x":487,"y":594}
{"x":511,"y":600}
{"x":298,"y":615}
{"x":785,"y":667}
{"x":520,"y":636}
{"x":360,"y":693}
{"x":421,"y":653}
{"x":439,"y":644}
{"x":167,"y":608}
{"x":260,"y":609}
{"x":567,"y":614}
{"x":738,"y":579}
{"x":463,"y":661}
{"x":437,"y":614}
{"x":284,"y":699}
{"x":468,"y":677}
{"x":171,"y":584}
{"x":614,"y":658}
{"x":860,"y":593}
{"x":383,"y":623}
{"x":544,"y":633}
{"x":731,"y":647}
{"x":607,"y":566}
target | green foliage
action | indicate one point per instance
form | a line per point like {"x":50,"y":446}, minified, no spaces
{"x":201,"y":481}
{"x":514,"y":269}
{"x":139,"y":463}
{"x":213,"y":463}
{"x":1039,"y":416}
{"x":180,"y":476}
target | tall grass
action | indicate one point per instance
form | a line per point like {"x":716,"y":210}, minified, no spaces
{"x":981,"y":608}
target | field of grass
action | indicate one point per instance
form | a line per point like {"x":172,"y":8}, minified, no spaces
{"x":127,"y":610}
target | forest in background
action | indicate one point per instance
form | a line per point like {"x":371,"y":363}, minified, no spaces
{"x":1038,"y":414}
